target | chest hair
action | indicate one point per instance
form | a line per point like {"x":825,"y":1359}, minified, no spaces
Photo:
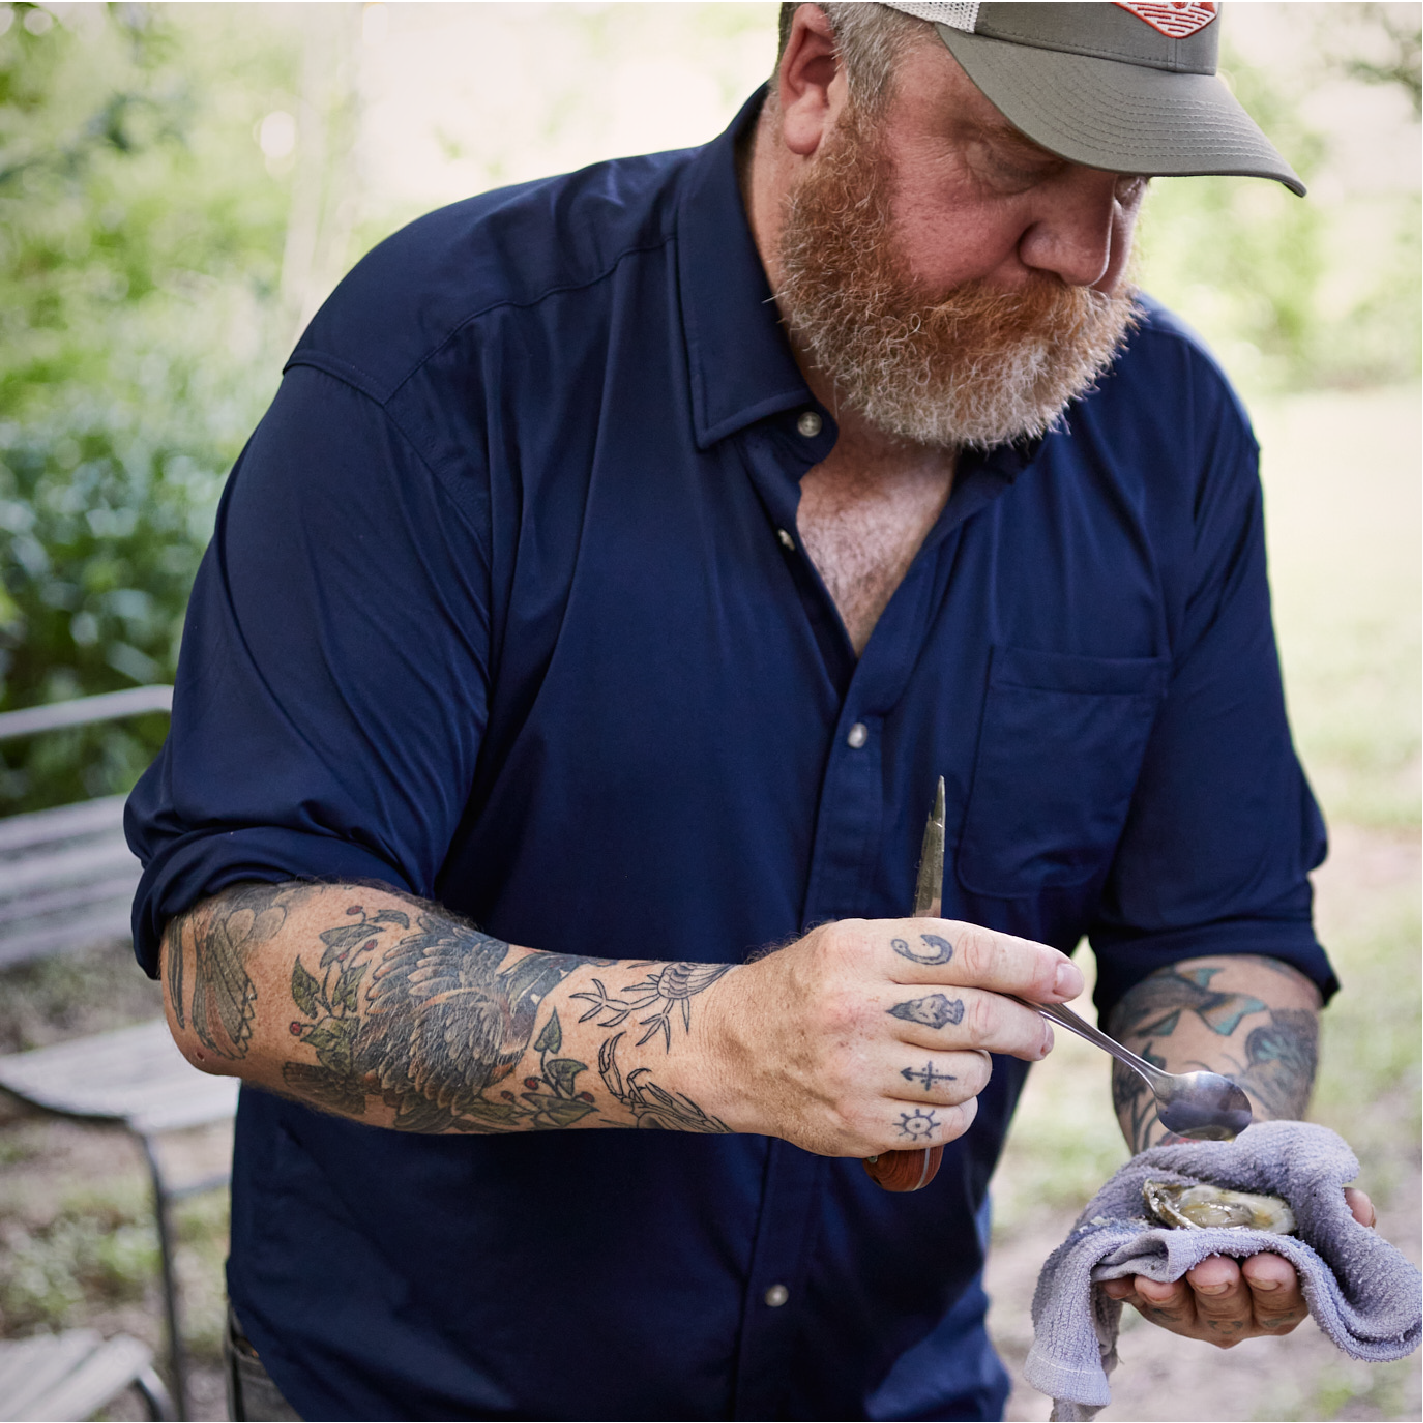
{"x":861,"y":522}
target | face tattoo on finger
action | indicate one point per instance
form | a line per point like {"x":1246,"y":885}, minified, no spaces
{"x":935,"y":1011}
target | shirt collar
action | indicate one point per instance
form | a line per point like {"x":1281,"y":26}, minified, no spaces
{"x":738,"y":359}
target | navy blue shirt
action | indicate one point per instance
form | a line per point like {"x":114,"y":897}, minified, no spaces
{"x":505,"y":607}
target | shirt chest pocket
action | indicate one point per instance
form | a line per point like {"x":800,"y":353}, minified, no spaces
{"x":1059,"y":749}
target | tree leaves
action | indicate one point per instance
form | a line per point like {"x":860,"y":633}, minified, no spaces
{"x":392,"y":916}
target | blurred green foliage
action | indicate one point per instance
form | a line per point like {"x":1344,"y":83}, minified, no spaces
{"x":140,"y":244}
{"x":144,"y":306}
{"x":1250,"y":265}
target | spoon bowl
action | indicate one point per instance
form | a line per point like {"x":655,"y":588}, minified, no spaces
{"x":1202,"y":1106}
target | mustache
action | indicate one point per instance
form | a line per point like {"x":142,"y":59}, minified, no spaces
{"x":975,"y":366}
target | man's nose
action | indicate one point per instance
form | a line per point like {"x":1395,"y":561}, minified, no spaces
{"x":1075,"y":227}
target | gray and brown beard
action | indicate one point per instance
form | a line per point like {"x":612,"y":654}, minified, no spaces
{"x":976,"y":368}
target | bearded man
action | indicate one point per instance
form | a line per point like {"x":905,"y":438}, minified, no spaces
{"x":622,"y":561}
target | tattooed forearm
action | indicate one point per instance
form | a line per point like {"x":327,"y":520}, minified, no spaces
{"x":1136,"y":1107}
{"x":174,"y":965}
{"x":649,"y":1104}
{"x":668,"y":986}
{"x":1154,"y":1007}
{"x":379,"y":1006}
{"x":237,"y":924}
{"x":1280,"y":1062}
{"x":1252,"y":1019}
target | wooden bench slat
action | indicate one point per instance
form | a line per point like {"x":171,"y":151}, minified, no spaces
{"x":61,"y":822}
{"x":47,"y":910}
{"x":77,"y":933}
{"x":103,"y":1375}
{"x":132,"y":701}
{"x":36,"y":1365}
{"x":66,"y":1376}
{"x":39,"y":872}
{"x":134,"y":1075}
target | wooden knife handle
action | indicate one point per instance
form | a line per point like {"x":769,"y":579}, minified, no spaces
{"x":905,"y":1170}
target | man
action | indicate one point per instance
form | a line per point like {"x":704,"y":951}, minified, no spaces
{"x":621,"y":562}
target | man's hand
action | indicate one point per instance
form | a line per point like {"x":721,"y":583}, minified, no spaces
{"x":874,"y":1035}
{"x":1222,"y":1301}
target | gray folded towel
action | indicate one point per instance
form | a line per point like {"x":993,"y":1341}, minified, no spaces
{"x":1362,"y":1292}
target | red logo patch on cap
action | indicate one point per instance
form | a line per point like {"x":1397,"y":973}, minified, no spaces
{"x":1175,"y":19}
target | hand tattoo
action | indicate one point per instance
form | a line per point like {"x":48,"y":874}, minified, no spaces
{"x":943,"y":951}
{"x":918,"y":1125}
{"x":935,"y":1011}
{"x":928,"y":1075}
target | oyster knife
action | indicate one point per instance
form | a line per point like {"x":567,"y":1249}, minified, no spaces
{"x":929,"y":887}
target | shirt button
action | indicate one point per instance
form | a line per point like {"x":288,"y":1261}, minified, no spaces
{"x":777,"y":1295}
{"x":809,"y":424}
{"x":858,"y":735}
{"x":787,"y":542}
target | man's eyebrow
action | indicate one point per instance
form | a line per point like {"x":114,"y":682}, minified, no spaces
{"x":1003,"y":134}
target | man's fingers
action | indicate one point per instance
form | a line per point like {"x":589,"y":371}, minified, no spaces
{"x":1224,"y":1307}
{"x":1171,"y":1305}
{"x":952,"y":1018}
{"x":1360,"y":1206}
{"x":951,"y":952}
{"x":1275,"y":1291}
{"x":945,"y":1078}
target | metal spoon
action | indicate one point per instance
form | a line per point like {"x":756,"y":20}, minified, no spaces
{"x":1201,"y":1105}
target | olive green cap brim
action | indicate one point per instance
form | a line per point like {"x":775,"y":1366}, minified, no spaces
{"x":1126,"y":118}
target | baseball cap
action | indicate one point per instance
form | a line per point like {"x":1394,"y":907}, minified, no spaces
{"x":1129,"y":87}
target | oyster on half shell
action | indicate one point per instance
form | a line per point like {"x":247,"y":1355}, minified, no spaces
{"x":1207,"y":1207}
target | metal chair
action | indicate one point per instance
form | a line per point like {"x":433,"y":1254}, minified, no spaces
{"x":67,"y":880}
{"x":74,"y":1374}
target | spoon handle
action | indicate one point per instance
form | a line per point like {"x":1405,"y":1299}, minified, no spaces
{"x":1060,"y":1013}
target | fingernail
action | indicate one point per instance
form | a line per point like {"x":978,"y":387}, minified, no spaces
{"x":1211,"y":1289}
{"x":1266,"y":1285}
{"x":1069,"y":981}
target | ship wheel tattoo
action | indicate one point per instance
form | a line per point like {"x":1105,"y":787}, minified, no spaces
{"x":918,"y":1125}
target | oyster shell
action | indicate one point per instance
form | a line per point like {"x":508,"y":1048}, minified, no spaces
{"x":1206,"y":1207}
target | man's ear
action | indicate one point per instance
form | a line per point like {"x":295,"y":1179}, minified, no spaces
{"x":810,"y":82}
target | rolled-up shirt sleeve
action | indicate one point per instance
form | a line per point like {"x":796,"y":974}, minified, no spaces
{"x":333,"y":681}
{"x":1223,"y":828}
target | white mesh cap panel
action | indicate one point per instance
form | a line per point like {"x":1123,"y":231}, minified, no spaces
{"x":941,"y":12}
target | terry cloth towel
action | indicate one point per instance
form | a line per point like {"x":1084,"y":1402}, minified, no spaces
{"x":1362,"y":1292}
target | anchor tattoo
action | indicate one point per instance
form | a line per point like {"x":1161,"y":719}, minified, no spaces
{"x":928,"y":1075}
